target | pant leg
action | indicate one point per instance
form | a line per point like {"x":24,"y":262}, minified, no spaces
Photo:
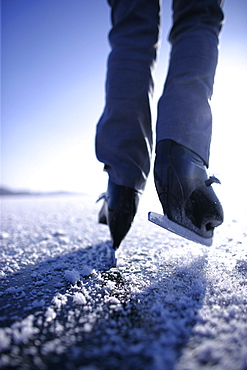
{"x":124,"y":134}
{"x":184,"y":113}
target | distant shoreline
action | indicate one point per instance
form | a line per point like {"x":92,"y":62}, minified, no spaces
{"x":7,"y":192}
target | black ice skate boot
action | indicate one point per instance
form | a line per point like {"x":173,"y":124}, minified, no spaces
{"x":118,"y":210}
{"x":191,"y":208}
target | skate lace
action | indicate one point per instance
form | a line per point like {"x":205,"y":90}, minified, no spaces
{"x":211,"y":180}
{"x":102,"y":196}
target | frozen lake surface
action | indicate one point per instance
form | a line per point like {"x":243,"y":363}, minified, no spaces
{"x":169,"y":303}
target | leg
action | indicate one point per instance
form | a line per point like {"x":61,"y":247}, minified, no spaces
{"x":124,"y":135}
{"x":184,"y":113}
{"x":189,"y":203}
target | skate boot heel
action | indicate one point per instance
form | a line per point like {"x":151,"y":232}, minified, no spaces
{"x":204,"y":210}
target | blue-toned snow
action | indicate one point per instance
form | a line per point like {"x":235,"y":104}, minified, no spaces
{"x":169,"y":304}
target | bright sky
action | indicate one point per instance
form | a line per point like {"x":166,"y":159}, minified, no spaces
{"x":53,"y":72}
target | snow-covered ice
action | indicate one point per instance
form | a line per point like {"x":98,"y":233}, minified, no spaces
{"x":169,"y":303}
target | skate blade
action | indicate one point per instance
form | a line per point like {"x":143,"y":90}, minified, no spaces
{"x":113,"y":258}
{"x":163,"y":221}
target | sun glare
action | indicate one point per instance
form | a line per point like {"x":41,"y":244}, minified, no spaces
{"x":229,"y":150}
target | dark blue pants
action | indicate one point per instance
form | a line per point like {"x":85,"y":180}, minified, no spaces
{"x":124,"y":132}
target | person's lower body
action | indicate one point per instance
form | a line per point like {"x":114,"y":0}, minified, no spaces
{"x":124,"y":133}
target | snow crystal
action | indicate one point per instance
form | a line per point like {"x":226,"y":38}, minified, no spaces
{"x":13,"y":290}
{"x":60,"y":266}
{"x":79,"y":299}
{"x":72,"y":276}
{"x":4,"y":340}
{"x":88,"y":327}
{"x":2,"y":275}
{"x":59,"y":284}
{"x":36,"y":303}
{"x":63,"y":240}
{"x":59,"y":300}
{"x":58,"y":328}
{"x":4,"y":235}
{"x":86,"y":271}
{"x":110,"y":285}
{"x":39,"y":282}
{"x":113,"y":301}
{"x":58,"y":233}
{"x":50,"y":314}
{"x":23,"y":330}
{"x":52,"y":346}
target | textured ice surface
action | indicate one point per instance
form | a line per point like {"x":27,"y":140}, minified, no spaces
{"x":169,"y":303}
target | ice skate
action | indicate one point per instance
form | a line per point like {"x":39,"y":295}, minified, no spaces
{"x":191,"y":208}
{"x":118,"y":210}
